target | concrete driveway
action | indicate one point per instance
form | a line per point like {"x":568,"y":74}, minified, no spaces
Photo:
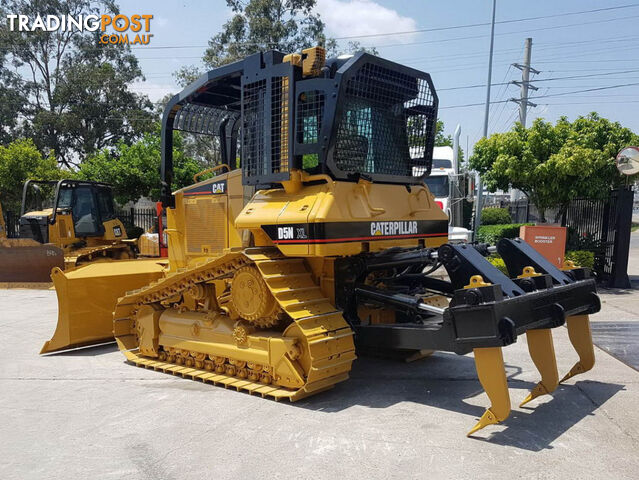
{"x":88,"y":414}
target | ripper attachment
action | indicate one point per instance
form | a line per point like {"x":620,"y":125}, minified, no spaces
{"x":487,"y":309}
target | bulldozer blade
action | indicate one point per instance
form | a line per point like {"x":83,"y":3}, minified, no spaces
{"x":581,"y":339}
{"x":489,"y":363}
{"x":542,"y":352}
{"x":87,"y":296}
{"x":26,"y":261}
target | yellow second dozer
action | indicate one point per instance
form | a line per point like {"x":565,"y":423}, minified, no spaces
{"x":65,"y":224}
{"x":25,"y":262}
{"x":79,"y":218}
{"x":323,"y":240}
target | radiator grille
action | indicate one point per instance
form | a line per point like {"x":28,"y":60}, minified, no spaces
{"x":62,"y":227}
{"x":206,"y":225}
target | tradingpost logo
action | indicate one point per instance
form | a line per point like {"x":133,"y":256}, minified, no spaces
{"x":116,"y":29}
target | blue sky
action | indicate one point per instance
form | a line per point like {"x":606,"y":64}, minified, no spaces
{"x":602,"y":45}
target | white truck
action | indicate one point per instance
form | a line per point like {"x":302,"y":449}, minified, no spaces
{"x":443,"y":184}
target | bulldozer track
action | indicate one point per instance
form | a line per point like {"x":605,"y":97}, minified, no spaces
{"x":77,"y":257}
{"x":324,"y":338}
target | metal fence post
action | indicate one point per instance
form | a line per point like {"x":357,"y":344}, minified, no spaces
{"x":623,"y":226}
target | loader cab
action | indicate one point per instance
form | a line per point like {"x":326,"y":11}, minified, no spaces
{"x":65,"y":211}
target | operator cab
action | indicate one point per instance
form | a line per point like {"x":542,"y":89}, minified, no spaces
{"x":89,"y":204}
{"x":351,"y":118}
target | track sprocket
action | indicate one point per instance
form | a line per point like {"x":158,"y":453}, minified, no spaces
{"x":252,"y":300}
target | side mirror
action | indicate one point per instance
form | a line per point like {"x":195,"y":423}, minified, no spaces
{"x":628,"y":161}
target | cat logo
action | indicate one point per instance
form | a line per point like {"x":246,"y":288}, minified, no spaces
{"x":218,"y":188}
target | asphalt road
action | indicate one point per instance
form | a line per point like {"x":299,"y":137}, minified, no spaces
{"x":88,"y":414}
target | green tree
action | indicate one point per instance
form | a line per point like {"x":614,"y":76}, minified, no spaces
{"x":21,"y":160}
{"x":355,"y":47}
{"x":554,"y":164}
{"x":76,"y":91}
{"x":443,"y":140}
{"x":11,"y":100}
{"x":259,"y":25}
{"x":134,"y":170}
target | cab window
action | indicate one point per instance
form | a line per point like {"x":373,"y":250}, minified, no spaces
{"x":85,"y":212}
{"x":105,"y":204}
{"x":65,"y":198}
{"x":441,"y":163}
{"x":438,"y":186}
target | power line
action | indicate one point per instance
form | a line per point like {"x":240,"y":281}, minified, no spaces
{"x":541,"y":46}
{"x":500,"y":95}
{"x":509,"y":120}
{"x":514,"y":20}
{"x":516,"y":32}
{"x":594,"y":102}
{"x":604,"y":60}
{"x":571,"y":77}
{"x":425,"y":30}
{"x":589,"y":90}
{"x":545,"y":96}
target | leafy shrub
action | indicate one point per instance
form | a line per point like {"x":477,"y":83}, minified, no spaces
{"x":491,"y":234}
{"x":585,"y":241}
{"x":499,"y":263}
{"x":581,"y":258}
{"x":495,"y":216}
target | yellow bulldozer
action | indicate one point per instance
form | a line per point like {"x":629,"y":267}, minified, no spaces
{"x":80,"y":219}
{"x":63,"y":223}
{"x":25,"y":262}
{"x":315,"y":237}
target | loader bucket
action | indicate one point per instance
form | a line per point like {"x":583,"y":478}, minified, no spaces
{"x":87,"y":296}
{"x":25,"y":261}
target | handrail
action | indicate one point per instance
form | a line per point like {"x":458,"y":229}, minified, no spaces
{"x":210,"y":170}
{"x":373,"y":210}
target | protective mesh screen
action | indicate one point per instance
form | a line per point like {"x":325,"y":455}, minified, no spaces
{"x":386,"y":122}
{"x":265,"y":136}
{"x":202,"y":119}
{"x":279,"y":118}
{"x":253,"y":128}
{"x":310,"y":111}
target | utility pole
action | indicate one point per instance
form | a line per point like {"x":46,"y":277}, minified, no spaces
{"x":524,"y":84}
{"x":480,"y":184}
{"x":524,"y":103}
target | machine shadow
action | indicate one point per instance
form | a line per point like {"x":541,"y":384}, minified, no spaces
{"x":442,"y":380}
{"x":446,"y":381}
{"x":536,"y":428}
{"x":634,"y":284}
{"x":89,"y":351}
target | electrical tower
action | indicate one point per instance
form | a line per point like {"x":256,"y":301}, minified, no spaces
{"x":524,"y":84}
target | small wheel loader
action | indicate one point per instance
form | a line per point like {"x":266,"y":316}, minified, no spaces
{"x":315,"y":237}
